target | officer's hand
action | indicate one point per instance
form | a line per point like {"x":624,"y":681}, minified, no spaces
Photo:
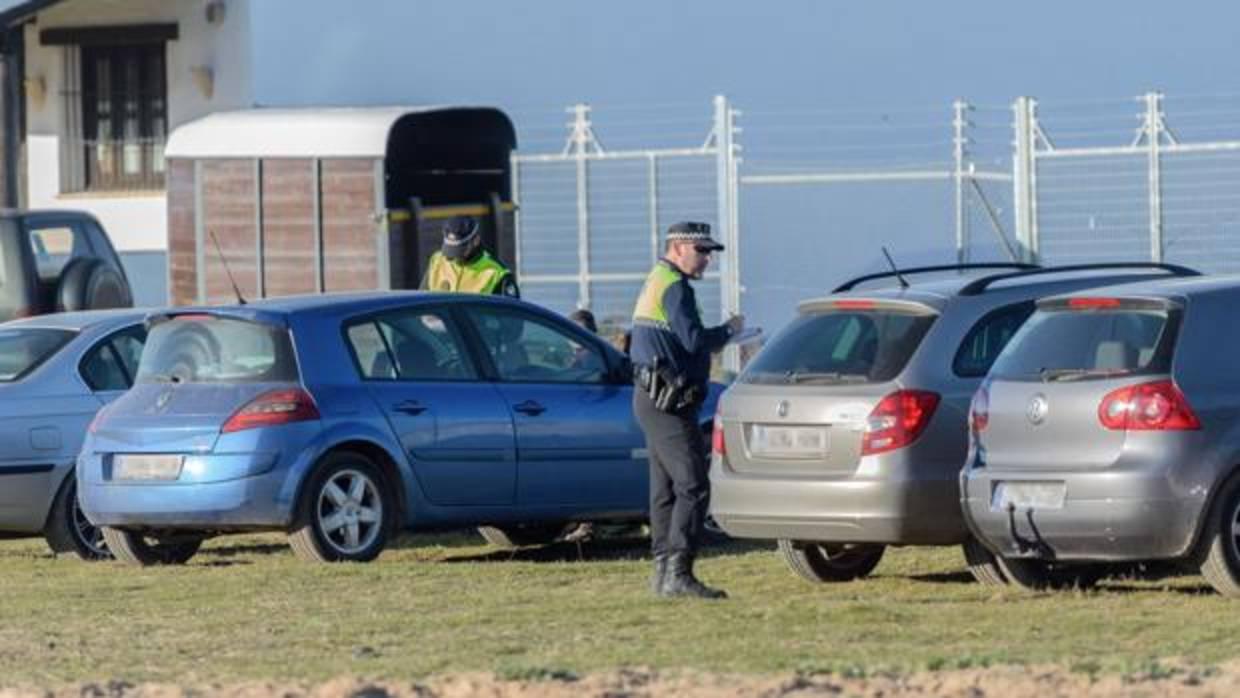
{"x":736,"y":323}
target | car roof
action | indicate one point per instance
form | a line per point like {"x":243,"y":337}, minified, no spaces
{"x":81,"y":320}
{"x":278,"y":310}
{"x":1173,"y":287}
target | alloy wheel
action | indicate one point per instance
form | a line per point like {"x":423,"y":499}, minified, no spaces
{"x":350,"y":511}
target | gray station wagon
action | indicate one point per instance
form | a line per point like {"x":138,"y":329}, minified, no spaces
{"x":1109,"y":430}
{"x":848,"y":431}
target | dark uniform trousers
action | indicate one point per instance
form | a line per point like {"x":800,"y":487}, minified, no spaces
{"x":679,"y":489}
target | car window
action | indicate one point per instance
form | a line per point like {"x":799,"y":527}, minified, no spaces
{"x":981,"y":346}
{"x":23,"y":349}
{"x":1079,"y":345}
{"x":410,"y":345}
{"x":861,"y":346}
{"x":112,"y":364}
{"x":214,"y":349}
{"x":529,"y":349}
{"x":54,"y":245}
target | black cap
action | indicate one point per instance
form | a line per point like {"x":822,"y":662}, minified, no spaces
{"x":459,"y":234}
{"x":691,"y":231}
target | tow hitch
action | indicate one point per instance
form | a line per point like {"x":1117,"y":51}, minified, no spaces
{"x":1037,"y":544}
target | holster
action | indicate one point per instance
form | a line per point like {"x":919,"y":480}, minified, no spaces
{"x":669,"y":392}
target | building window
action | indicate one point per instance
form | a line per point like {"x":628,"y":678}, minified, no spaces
{"x":124,"y":111}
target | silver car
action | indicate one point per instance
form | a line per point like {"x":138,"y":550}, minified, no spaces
{"x":848,"y":431}
{"x":1109,"y":430}
{"x":56,"y":371}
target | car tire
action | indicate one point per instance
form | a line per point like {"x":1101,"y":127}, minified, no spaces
{"x":831,"y":562}
{"x":522,"y":535}
{"x":68,"y":532}
{"x":345,"y":512}
{"x":89,"y":283}
{"x":1040,"y":575}
{"x":983,"y":564}
{"x":1221,"y":566}
{"x":135,"y":548}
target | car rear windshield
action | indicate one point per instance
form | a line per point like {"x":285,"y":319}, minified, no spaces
{"x":23,"y":349}
{"x":213,"y":349}
{"x":1067,"y":344}
{"x":870,"y":346}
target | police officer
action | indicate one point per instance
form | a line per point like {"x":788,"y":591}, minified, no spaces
{"x":462,"y":265}
{"x":671,"y":356}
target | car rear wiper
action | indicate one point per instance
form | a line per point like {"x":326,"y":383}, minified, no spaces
{"x":1069,"y":374}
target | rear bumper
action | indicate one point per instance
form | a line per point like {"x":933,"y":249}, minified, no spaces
{"x":240,"y":503}
{"x":1132,"y":515}
{"x":897,"y":509}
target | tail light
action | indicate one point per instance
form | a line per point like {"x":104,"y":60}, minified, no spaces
{"x":898,"y":420}
{"x":1154,"y":406}
{"x":272,"y":409}
{"x":979,"y":410}
{"x":718,"y":444}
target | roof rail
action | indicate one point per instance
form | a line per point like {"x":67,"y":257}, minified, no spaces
{"x":852,"y":283}
{"x":979,"y":286}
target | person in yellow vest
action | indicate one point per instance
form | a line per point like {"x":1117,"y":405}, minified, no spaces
{"x":671,"y":357}
{"x":462,"y":266}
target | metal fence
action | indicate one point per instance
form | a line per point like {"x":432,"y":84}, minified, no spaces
{"x":1115,"y":180}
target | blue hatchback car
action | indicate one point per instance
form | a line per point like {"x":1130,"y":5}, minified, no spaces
{"x":342,"y":418}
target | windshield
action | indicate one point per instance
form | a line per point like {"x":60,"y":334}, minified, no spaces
{"x":1059,"y":345}
{"x":211,"y":349}
{"x":23,"y":349}
{"x":870,"y":346}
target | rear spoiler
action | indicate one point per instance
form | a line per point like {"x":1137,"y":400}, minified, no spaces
{"x":242,"y":313}
{"x":891,"y":305}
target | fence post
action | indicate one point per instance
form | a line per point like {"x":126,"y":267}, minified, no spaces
{"x":1153,"y":139}
{"x":959,"y":109}
{"x":581,"y":143}
{"x":725,"y":184}
{"x":1024,"y":192}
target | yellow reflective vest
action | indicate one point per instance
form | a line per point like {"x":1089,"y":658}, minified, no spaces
{"x":483,"y":275}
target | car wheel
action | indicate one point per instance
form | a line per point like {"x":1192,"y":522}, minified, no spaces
{"x":134,"y":548}
{"x":1221,"y":566}
{"x":521,"y":535}
{"x":1040,"y":575}
{"x":69,"y":532}
{"x":982,"y":563}
{"x":831,"y":562}
{"x":345,"y":512}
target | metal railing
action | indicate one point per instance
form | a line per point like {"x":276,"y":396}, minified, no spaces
{"x":121,"y":165}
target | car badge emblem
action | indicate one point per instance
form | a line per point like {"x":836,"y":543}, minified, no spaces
{"x":1038,"y":407}
{"x":782,"y":408}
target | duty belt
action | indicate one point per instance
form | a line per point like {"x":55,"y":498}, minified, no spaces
{"x":669,"y":392}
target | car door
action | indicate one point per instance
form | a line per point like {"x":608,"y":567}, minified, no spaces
{"x":453,"y":426}
{"x":575,"y":439}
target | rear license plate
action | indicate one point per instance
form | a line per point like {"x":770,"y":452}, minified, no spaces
{"x":788,"y":442}
{"x":1028,"y":495}
{"x":146,"y":467}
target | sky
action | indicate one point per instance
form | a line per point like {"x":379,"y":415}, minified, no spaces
{"x":670,"y":58}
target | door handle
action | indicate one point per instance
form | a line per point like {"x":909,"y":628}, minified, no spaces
{"x":410,"y":407}
{"x":530,"y":407}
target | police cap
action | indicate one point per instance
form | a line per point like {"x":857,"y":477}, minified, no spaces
{"x":691,"y":231}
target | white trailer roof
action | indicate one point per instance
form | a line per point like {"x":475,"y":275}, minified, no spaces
{"x":276,"y":133}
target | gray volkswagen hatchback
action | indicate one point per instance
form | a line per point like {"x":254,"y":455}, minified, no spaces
{"x":848,"y":431}
{"x":1109,"y":430}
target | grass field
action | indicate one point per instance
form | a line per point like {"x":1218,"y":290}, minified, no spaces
{"x":244,"y":608}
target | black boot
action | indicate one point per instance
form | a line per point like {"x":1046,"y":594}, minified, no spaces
{"x":681,"y":582}
{"x":660,"y":573}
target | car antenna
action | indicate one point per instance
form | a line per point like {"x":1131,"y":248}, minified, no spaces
{"x":899,"y":276}
{"x":220,"y":252}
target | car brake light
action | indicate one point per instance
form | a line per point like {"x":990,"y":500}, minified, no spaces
{"x":853,"y":305}
{"x":1088,"y":303}
{"x":1154,"y":406}
{"x":897,"y":420}
{"x":718,"y":444}
{"x":273,"y":408}
{"x":979,"y":410}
